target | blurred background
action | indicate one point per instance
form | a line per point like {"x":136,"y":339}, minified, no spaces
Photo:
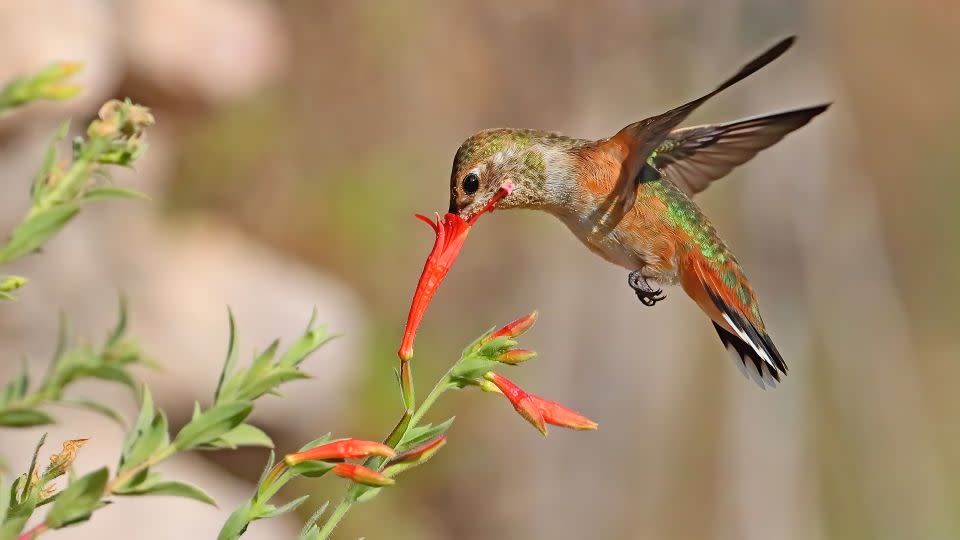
{"x":296,"y":139}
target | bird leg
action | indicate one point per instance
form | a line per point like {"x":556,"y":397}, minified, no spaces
{"x":648,"y":295}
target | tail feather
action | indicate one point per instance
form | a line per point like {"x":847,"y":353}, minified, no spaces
{"x":737,"y":323}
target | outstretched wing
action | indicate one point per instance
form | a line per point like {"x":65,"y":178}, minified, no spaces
{"x":694,"y":157}
{"x":638,"y":140}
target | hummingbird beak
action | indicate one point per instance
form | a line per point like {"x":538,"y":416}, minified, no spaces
{"x":451,"y":234}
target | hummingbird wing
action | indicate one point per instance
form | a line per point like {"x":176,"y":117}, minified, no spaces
{"x":694,"y":157}
{"x":638,"y":140}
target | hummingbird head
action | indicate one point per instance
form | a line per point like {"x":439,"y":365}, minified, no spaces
{"x":489,"y":159}
{"x":495,"y":168}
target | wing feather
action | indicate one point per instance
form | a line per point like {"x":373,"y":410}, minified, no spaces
{"x":694,"y":157}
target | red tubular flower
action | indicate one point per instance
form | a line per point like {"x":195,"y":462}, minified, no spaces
{"x":361,"y":475}
{"x":451,"y":233}
{"x":539,"y":411}
{"x":345,"y":449}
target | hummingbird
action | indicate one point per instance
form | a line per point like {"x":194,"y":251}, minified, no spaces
{"x":628,"y":198}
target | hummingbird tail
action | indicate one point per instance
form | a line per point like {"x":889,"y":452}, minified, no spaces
{"x":736,"y":322}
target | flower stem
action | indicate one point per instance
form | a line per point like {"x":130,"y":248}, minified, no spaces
{"x":408,"y":421}
{"x":335,"y":518}
{"x":442,"y":386}
{"x":34,"y":532}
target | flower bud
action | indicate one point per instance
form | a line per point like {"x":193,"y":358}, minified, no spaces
{"x":343,"y":449}
{"x":515,"y":328}
{"x":421,"y":453}
{"x":362,"y":475}
{"x":516,"y":356}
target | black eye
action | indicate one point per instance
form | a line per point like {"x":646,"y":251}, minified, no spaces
{"x":471,"y":183}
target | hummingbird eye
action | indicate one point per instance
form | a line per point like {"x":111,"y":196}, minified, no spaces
{"x":471,"y":183}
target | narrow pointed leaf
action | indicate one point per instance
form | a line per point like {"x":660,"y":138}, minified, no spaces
{"x":243,"y":435}
{"x":24,"y":418}
{"x":212,"y":424}
{"x":78,"y":500}
{"x":173,"y":488}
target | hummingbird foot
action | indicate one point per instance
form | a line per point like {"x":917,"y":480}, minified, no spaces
{"x":645,"y":292}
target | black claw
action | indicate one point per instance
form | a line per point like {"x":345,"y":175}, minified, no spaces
{"x":648,"y":295}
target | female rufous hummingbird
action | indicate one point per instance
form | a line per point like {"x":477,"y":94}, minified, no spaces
{"x":628,"y":199}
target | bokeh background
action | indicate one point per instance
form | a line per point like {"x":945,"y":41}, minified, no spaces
{"x":294,"y":142}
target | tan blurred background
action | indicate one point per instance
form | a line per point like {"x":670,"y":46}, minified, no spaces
{"x":296,"y":139}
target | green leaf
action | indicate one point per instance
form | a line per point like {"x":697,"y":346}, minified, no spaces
{"x":24,"y":418}
{"x":262,"y":362}
{"x":368,"y":493}
{"x":172,"y":488}
{"x":268,"y":382}
{"x":151,"y":439}
{"x":96,"y":407}
{"x":310,"y":529}
{"x":121,"y":327}
{"x":16,"y":389}
{"x":144,"y":420}
{"x":39,"y":187}
{"x":111,"y":192}
{"x":4,"y":498}
{"x":37,"y":229}
{"x":422,"y":434}
{"x":110,"y":373}
{"x":269,"y":511}
{"x":212,"y":424}
{"x":78,"y":501}
{"x":232,"y":354}
{"x":237,"y":523}
{"x":243,"y":435}
{"x":311,"y":340}
{"x":28,"y":483}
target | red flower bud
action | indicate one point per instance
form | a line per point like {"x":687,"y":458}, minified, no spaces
{"x":344,"y":449}
{"x":515,"y":328}
{"x":539,"y":411}
{"x":424,"y":451}
{"x":516,"y":356}
{"x":361,"y":475}
{"x":451,"y":234}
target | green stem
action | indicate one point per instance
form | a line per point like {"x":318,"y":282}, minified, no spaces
{"x":442,"y":386}
{"x":407,"y":422}
{"x":335,"y":518}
